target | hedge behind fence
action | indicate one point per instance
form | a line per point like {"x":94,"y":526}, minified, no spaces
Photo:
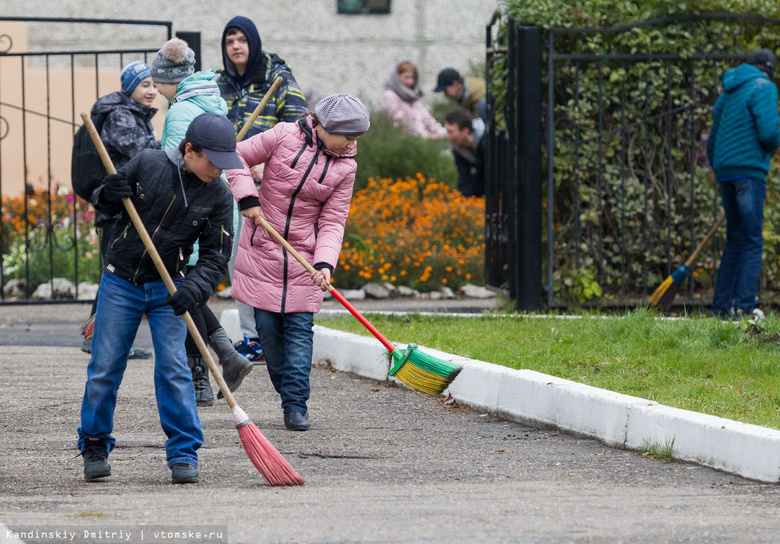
{"x":641,"y":216}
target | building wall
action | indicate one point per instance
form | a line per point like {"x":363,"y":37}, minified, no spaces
{"x":328,"y":52}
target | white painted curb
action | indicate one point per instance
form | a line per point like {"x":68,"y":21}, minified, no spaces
{"x":540,"y":400}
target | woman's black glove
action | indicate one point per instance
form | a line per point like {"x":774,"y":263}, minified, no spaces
{"x":115,"y":188}
{"x":183,"y":300}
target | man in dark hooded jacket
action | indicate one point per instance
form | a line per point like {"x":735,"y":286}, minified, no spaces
{"x":248,"y":75}
{"x":745,"y":133}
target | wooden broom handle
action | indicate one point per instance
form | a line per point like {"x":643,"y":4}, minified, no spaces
{"x":166,"y":277}
{"x":706,"y":239}
{"x":258,"y":109}
{"x":333,"y":291}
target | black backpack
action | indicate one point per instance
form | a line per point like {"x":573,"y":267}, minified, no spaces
{"x":86,"y":167}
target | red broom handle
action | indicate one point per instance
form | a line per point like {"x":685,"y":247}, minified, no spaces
{"x":363,"y":320}
{"x":166,"y":277}
{"x":333,"y":291}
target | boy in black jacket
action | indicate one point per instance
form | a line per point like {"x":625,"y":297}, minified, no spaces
{"x":178,"y":203}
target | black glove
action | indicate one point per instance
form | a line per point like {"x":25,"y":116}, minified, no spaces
{"x":183,"y":300}
{"x":116,"y":187}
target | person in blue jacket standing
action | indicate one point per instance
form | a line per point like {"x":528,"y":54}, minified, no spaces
{"x":745,"y":132}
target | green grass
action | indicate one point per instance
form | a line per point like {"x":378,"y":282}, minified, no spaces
{"x":664,"y":452}
{"x":705,"y":365}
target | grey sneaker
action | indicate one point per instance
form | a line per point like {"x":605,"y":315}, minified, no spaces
{"x":86,"y":345}
{"x":184,"y":473}
{"x":95,"y":458}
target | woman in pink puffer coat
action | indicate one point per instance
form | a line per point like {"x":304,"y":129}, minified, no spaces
{"x":305,"y":195}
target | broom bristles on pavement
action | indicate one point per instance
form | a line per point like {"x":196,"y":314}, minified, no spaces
{"x":423,"y":371}
{"x":267,"y":460}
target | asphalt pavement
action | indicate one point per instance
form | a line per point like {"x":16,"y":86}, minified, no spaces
{"x":382,"y":464}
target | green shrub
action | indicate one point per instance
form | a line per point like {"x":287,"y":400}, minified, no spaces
{"x":652,"y":199}
{"x":387,"y":151}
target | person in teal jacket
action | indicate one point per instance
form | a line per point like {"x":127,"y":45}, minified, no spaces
{"x":190,"y":94}
{"x":745,"y":132}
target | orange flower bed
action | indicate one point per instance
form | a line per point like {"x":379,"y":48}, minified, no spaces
{"x":43,"y":208}
{"x":413,"y":232}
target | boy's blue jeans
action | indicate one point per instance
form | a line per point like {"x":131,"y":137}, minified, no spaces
{"x":121,"y":305}
{"x":288,"y":343}
{"x":743,"y":203}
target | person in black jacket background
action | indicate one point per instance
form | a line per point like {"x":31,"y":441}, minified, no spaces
{"x":178,"y":204}
{"x":126,"y":131}
{"x":468,"y":148}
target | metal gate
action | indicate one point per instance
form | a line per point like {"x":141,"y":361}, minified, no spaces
{"x":623,"y":191}
{"x":45,"y":82}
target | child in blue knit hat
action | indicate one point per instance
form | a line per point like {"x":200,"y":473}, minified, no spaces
{"x":125,"y":125}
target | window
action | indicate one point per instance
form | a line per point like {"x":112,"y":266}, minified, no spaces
{"x":363,"y":7}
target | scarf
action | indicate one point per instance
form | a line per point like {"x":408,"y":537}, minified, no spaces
{"x":393,"y":82}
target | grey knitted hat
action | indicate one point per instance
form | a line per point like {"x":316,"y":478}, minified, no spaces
{"x":342,"y":114}
{"x":173,"y":63}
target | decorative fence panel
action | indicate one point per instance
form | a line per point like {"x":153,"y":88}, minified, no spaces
{"x":45,"y":231}
{"x":628,"y":191}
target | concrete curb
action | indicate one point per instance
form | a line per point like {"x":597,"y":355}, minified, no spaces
{"x":539,"y":400}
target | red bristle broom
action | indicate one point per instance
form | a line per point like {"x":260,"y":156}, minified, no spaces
{"x":663,"y":297}
{"x":264,"y":456}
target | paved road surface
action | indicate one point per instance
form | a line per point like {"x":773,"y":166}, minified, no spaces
{"x":381,"y":463}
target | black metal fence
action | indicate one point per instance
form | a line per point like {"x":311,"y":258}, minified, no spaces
{"x":46,"y":232}
{"x":627,"y":189}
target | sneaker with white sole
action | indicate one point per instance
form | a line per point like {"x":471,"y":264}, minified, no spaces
{"x":251,"y":349}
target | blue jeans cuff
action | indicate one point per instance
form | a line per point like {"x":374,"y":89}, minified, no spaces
{"x":187,"y":460}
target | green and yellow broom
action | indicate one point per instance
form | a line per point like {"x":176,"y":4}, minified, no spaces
{"x":415,"y":368}
{"x":663,"y":297}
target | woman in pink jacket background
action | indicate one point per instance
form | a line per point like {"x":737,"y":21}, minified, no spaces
{"x":305,"y":195}
{"x":402,"y":100}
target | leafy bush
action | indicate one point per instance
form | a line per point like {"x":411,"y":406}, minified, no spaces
{"x":605,"y":13}
{"x":414,"y":232}
{"x":639,"y":212}
{"x":387,"y":151}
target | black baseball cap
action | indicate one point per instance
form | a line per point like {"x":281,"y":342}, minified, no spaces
{"x":763,"y":59}
{"x":446,"y":77}
{"x":215,"y":134}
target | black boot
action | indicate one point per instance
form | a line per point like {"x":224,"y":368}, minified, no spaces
{"x":95,"y":458}
{"x":235,"y":366}
{"x":200,"y":380}
{"x":296,"y":421}
{"x":184,"y":473}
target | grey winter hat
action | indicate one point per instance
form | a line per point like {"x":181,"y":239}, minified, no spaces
{"x":342,"y":114}
{"x":764,"y":60}
{"x":173,"y":63}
